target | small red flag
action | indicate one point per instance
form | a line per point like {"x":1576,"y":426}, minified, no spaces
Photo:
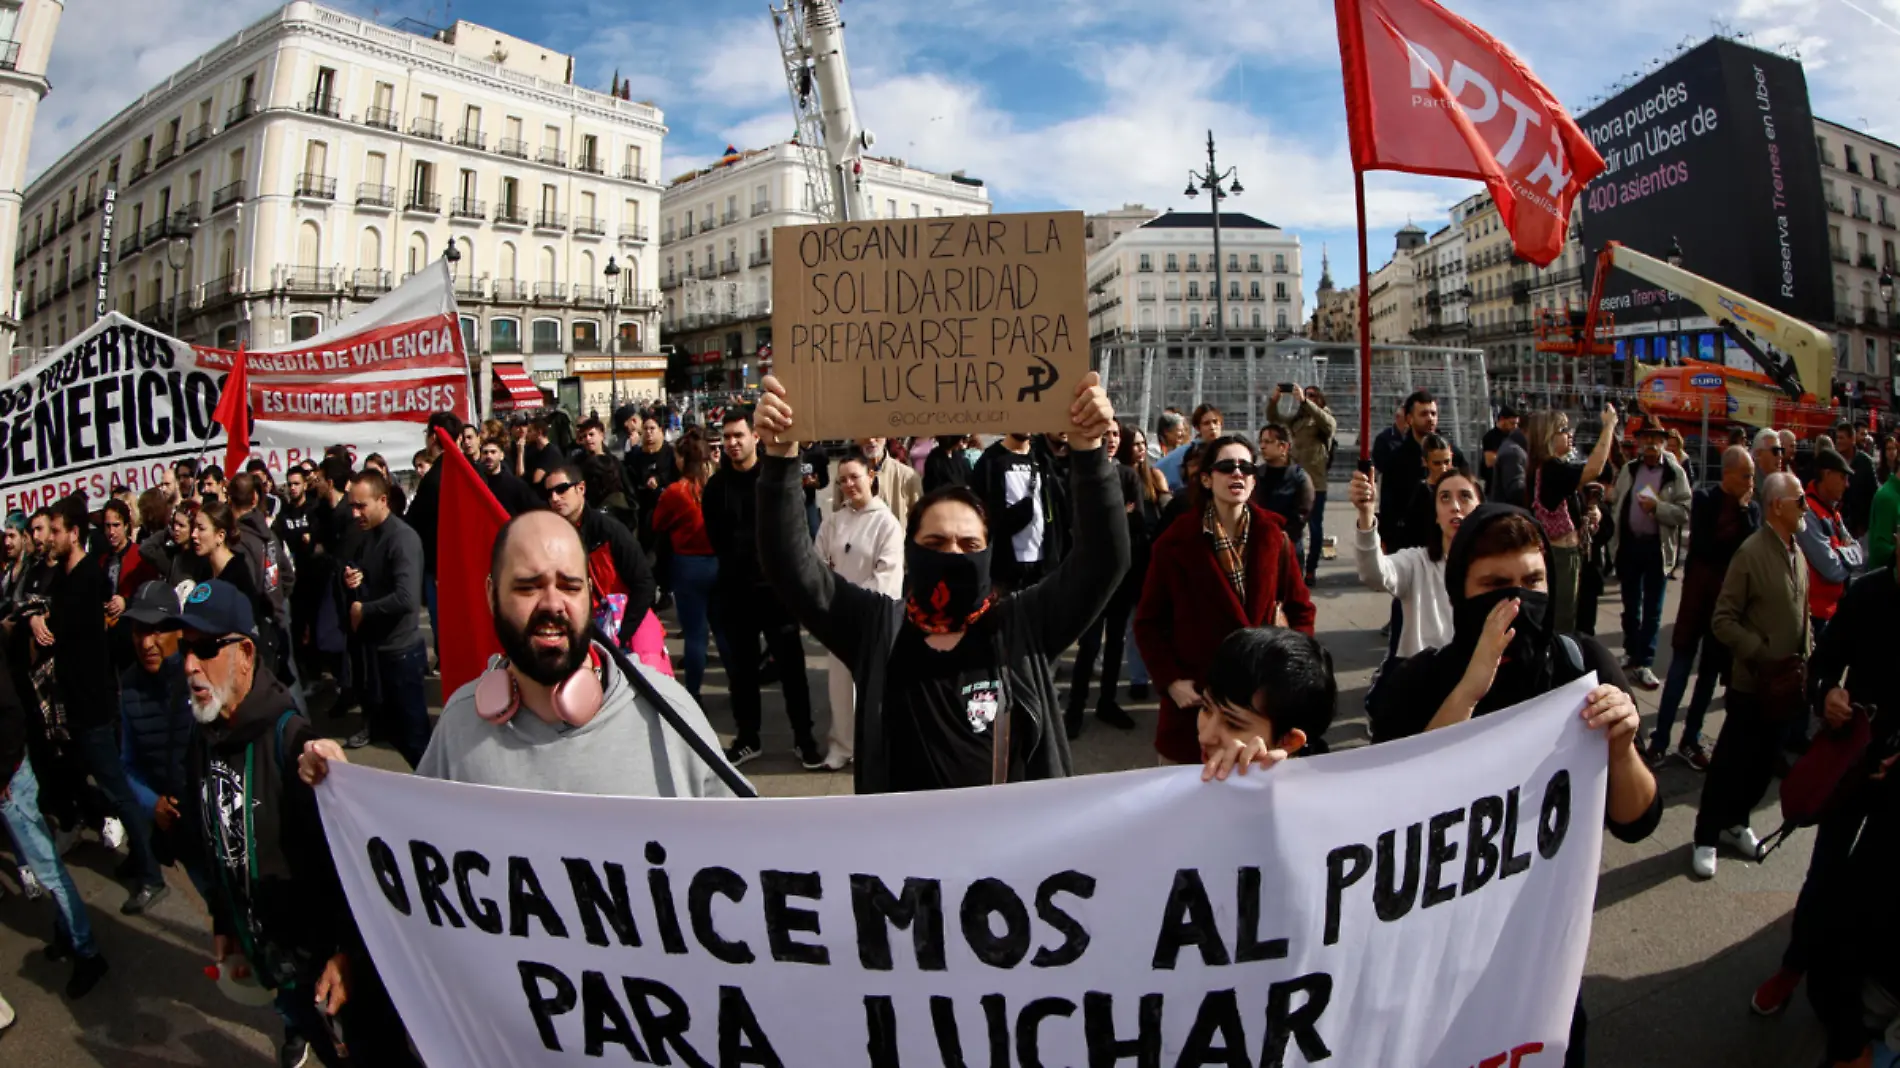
{"x":1429,"y":93}
{"x":234,"y":414}
{"x":462,"y":547}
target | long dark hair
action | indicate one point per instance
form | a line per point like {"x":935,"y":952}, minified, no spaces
{"x":695,"y":459}
{"x":1125,"y":455}
{"x":1206,"y":454}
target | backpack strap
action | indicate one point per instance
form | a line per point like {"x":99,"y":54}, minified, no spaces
{"x":286,"y":763}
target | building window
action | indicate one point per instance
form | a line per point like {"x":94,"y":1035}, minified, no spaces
{"x":471,"y":333}
{"x":504,"y":336}
{"x":1194,"y":289}
{"x":1147,"y":262}
{"x":1279,"y":321}
{"x":586,"y":335}
{"x":629,"y":337}
{"x":1256,"y":318}
{"x":305,"y":325}
{"x":1194,"y":318}
{"x":1873,"y":356}
{"x":547,"y":335}
{"x":227,"y":336}
{"x":1253,"y":264}
{"x":1194,"y":261}
{"x":1233,"y":290}
{"x":1253,"y":291}
{"x":1279,"y":263}
{"x":1173,"y":263}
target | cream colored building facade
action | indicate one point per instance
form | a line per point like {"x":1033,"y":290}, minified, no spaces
{"x":1860,"y":177}
{"x":305,"y":166}
{"x":1394,"y":314}
{"x":1158,"y":280}
{"x":716,"y":246}
{"x":26,"y":42}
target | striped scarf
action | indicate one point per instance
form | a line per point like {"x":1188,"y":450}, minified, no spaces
{"x":1230,"y":552}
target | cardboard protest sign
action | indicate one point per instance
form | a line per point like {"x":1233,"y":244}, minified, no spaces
{"x":1423,"y":903}
{"x":976,"y":323}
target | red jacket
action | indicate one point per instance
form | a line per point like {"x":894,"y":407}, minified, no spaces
{"x":1188,"y":606}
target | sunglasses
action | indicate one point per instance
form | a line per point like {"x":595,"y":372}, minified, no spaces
{"x":208,"y":648}
{"x":556,"y":491}
{"x":1244,"y":467}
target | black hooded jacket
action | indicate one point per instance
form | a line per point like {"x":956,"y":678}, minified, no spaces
{"x":1407,"y":705}
{"x":274,"y":886}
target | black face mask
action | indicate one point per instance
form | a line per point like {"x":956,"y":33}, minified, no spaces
{"x":948,"y":591}
{"x":1532,"y":625}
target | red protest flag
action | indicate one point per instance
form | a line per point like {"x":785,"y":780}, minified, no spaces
{"x":234,"y":414}
{"x":462,"y":548}
{"x":1429,"y":93}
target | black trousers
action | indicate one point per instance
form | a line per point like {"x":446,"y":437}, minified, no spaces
{"x":1113,"y":620}
{"x":1740,"y":769}
{"x":1833,"y":845}
{"x":750,"y":614}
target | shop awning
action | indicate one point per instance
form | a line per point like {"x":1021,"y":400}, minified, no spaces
{"x":514,"y":390}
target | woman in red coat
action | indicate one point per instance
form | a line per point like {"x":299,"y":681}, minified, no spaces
{"x":1224,"y":565}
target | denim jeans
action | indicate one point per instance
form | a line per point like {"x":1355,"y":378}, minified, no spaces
{"x":397,"y":708}
{"x":1315,"y":532}
{"x":1639,"y":567}
{"x":1714,"y":658}
{"x":21,"y":810}
{"x":693,"y":580}
{"x":99,"y":751}
{"x":1137,"y":670}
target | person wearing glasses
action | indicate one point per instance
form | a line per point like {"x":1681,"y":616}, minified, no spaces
{"x":1771,"y":457}
{"x":616,"y":565}
{"x":278,"y":912}
{"x":384,"y":589}
{"x":1228,"y":564}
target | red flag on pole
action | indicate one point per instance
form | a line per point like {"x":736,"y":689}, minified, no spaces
{"x":1429,"y":93}
{"x":462,"y":548}
{"x":234,"y":414}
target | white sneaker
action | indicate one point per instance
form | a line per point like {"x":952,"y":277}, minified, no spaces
{"x":837,"y":761}
{"x":1702,"y":862}
{"x":1742,"y":839}
{"x":6,"y":1014}
{"x":112,"y":833}
{"x":30,"y":884}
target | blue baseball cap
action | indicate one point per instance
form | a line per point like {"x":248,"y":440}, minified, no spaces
{"x":218,"y":608}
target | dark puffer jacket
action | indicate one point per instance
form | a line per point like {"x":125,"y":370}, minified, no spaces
{"x":158,"y":726}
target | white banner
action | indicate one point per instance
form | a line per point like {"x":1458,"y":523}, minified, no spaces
{"x":120,"y":402}
{"x":1424,"y":903}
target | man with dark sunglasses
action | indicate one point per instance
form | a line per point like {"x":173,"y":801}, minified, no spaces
{"x":278,"y":912}
{"x":385,"y":593}
{"x":616,"y":567}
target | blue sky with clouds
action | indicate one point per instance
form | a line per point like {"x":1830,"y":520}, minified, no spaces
{"x":1055,"y":103}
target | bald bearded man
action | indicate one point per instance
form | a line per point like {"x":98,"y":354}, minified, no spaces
{"x":553,"y":713}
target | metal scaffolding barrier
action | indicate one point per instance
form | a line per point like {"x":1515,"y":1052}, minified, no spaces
{"x":1144,"y":378}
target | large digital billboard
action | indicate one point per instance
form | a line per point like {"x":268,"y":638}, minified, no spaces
{"x":1715,"y":151}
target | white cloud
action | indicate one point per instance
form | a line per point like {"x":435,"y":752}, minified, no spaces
{"x":108,"y":52}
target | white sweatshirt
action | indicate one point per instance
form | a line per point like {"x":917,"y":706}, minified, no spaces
{"x":1416,"y":580}
{"x":865,"y":548}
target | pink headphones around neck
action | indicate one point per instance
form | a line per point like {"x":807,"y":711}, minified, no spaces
{"x":576,"y":700}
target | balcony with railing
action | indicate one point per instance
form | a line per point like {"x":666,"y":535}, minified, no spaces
{"x":185,"y":219}
{"x":467,"y":208}
{"x":155,"y":232}
{"x":307,"y":279}
{"x":705,"y":226}
{"x":467,"y":287}
{"x":761,"y":208}
{"x":9,"y":55}
{"x":431,"y":129}
{"x":1839,"y":254}
{"x":138,"y":172}
{"x":81,"y":277}
{"x":512,"y":146}
{"x":669,"y":281}
{"x":550,"y":220}
{"x":1886,"y":219}
{"x":166,"y":153}
{"x":508,"y":291}
{"x":227,"y":196}
{"x":322,"y":103}
{"x":709,"y":271}
{"x":553,"y":156}
{"x":590,"y":296}
{"x":592,"y":225}
{"x":62,"y":285}
{"x":381,"y":118}
{"x":728,"y":218}
{"x":221,"y":290}
{"x":239,"y":111}
{"x":590,"y":165}
{"x":760,"y":258}
{"x":316,"y":187}
{"x":633,"y":232}
{"x":471,"y":138}
{"x":369,"y":281}
{"x":1860,"y":212}
{"x":550,"y":292}
{"x":421,"y":200}
{"x":154,"y":314}
{"x":86,"y":209}
{"x":510,"y":215}
{"x":1867,"y":261}
{"x":371,"y":195}
{"x":666,"y":237}
{"x":729,"y":265}
{"x":639,"y":298}
{"x":631,"y":173}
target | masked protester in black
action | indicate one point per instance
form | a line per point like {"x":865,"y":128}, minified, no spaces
{"x":1502,"y":653}
{"x":938,"y":670}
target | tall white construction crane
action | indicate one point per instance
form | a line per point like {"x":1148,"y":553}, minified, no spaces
{"x":811,"y":41}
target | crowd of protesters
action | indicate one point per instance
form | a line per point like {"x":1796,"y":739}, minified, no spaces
{"x":947,"y":580}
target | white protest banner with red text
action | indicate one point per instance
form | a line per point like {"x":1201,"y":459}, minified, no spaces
{"x":115,"y":406}
{"x":1424,"y":903}
{"x":370,"y":382}
{"x":1429,"y":93}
